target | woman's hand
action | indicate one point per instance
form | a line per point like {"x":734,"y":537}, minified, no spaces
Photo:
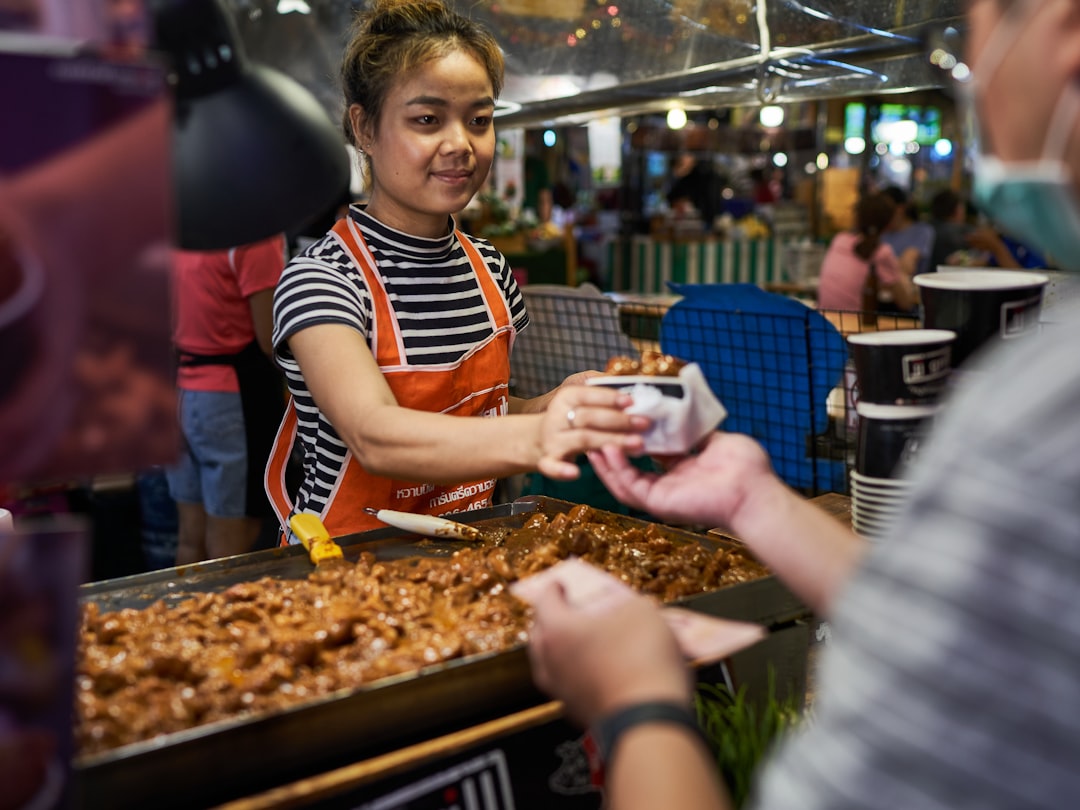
{"x":540,"y":404}
{"x":580,"y":378}
{"x":580,"y":418}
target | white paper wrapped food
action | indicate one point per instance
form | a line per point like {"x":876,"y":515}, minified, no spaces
{"x":683,"y":408}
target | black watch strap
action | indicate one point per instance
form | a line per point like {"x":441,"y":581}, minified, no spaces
{"x":607,"y":731}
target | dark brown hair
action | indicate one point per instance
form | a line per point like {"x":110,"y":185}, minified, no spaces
{"x":872,"y":216}
{"x":944,"y":204}
{"x":396,"y":36}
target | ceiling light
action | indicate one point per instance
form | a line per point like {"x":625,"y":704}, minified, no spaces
{"x":904,"y":131}
{"x":288,"y":6}
{"x":676,"y":118}
{"x":771,"y":116}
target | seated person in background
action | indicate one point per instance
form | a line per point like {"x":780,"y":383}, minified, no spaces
{"x":950,"y":226}
{"x":695,"y":184}
{"x":1026,"y":256}
{"x":957,"y":241}
{"x":912,"y":241}
{"x":537,"y":192}
{"x":764,"y":191}
{"x":853,"y":255}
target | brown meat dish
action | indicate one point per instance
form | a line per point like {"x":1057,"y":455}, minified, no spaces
{"x":651,"y":364}
{"x":264,"y":645}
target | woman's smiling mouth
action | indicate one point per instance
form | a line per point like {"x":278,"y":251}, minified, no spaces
{"x":453,"y":175}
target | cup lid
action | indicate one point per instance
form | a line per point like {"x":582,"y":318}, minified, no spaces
{"x":862,"y":524}
{"x":981,"y":280}
{"x":879,"y":510}
{"x":901,"y":337}
{"x":881,"y":497}
{"x":882,"y":483}
{"x":874,"y":410}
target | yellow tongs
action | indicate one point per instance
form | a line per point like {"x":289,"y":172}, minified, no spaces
{"x":316,"y":539}
{"x":427,"y":525}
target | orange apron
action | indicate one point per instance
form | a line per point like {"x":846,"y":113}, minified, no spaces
{"x":475,"y":385}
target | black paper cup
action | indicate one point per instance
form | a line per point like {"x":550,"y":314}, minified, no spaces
{"x":981,"y":306}
{"x":889,"y":437}
{"x":902,"y":366}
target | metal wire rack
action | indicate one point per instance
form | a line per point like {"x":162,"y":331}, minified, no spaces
{"x":781,"y":368}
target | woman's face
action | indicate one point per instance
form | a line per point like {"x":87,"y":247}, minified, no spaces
{"x":434,"y":144}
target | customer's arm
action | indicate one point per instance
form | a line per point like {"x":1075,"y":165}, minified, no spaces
{"x":610,"y":654}
{"x":730,"y":484}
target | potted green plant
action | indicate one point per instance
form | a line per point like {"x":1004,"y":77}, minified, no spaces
{"x":741,"y":731}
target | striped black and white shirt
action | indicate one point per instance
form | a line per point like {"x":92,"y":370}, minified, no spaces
{"x":433,"y":293}
{"x":953,"y":676}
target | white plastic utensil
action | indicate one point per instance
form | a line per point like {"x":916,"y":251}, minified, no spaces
{"x":429,"y":525}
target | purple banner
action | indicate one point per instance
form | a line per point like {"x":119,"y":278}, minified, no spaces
{"x":86,"y":383}
{"x":120,"y":28}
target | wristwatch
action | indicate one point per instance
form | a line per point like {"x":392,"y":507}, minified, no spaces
{"x":607,"y":731}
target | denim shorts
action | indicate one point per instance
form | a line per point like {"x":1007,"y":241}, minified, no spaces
{"x":212,"y":468}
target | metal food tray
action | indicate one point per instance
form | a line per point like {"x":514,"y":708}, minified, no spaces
{"x":218,"y":761}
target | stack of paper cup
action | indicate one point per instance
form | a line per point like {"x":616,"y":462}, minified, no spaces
{"x":900,"y":375}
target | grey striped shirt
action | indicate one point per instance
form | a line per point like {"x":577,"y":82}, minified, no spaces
{"x":953,"y":675}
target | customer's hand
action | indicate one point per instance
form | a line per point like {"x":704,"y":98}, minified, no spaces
{"x":614,"y":651}
{"x":707,"y":488}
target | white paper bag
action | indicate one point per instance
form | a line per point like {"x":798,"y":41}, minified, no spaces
{"x":683,"y":409}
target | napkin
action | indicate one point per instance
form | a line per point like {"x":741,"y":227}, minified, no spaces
{"x":683,"y":409}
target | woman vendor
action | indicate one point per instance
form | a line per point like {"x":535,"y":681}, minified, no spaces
{"x":395,"y":330}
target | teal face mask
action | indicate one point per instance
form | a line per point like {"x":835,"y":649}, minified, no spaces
{"x":1035,"y":201}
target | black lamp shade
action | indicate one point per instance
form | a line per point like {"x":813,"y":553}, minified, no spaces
{"x":253,"y":159}
{"x":254,"y":153}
